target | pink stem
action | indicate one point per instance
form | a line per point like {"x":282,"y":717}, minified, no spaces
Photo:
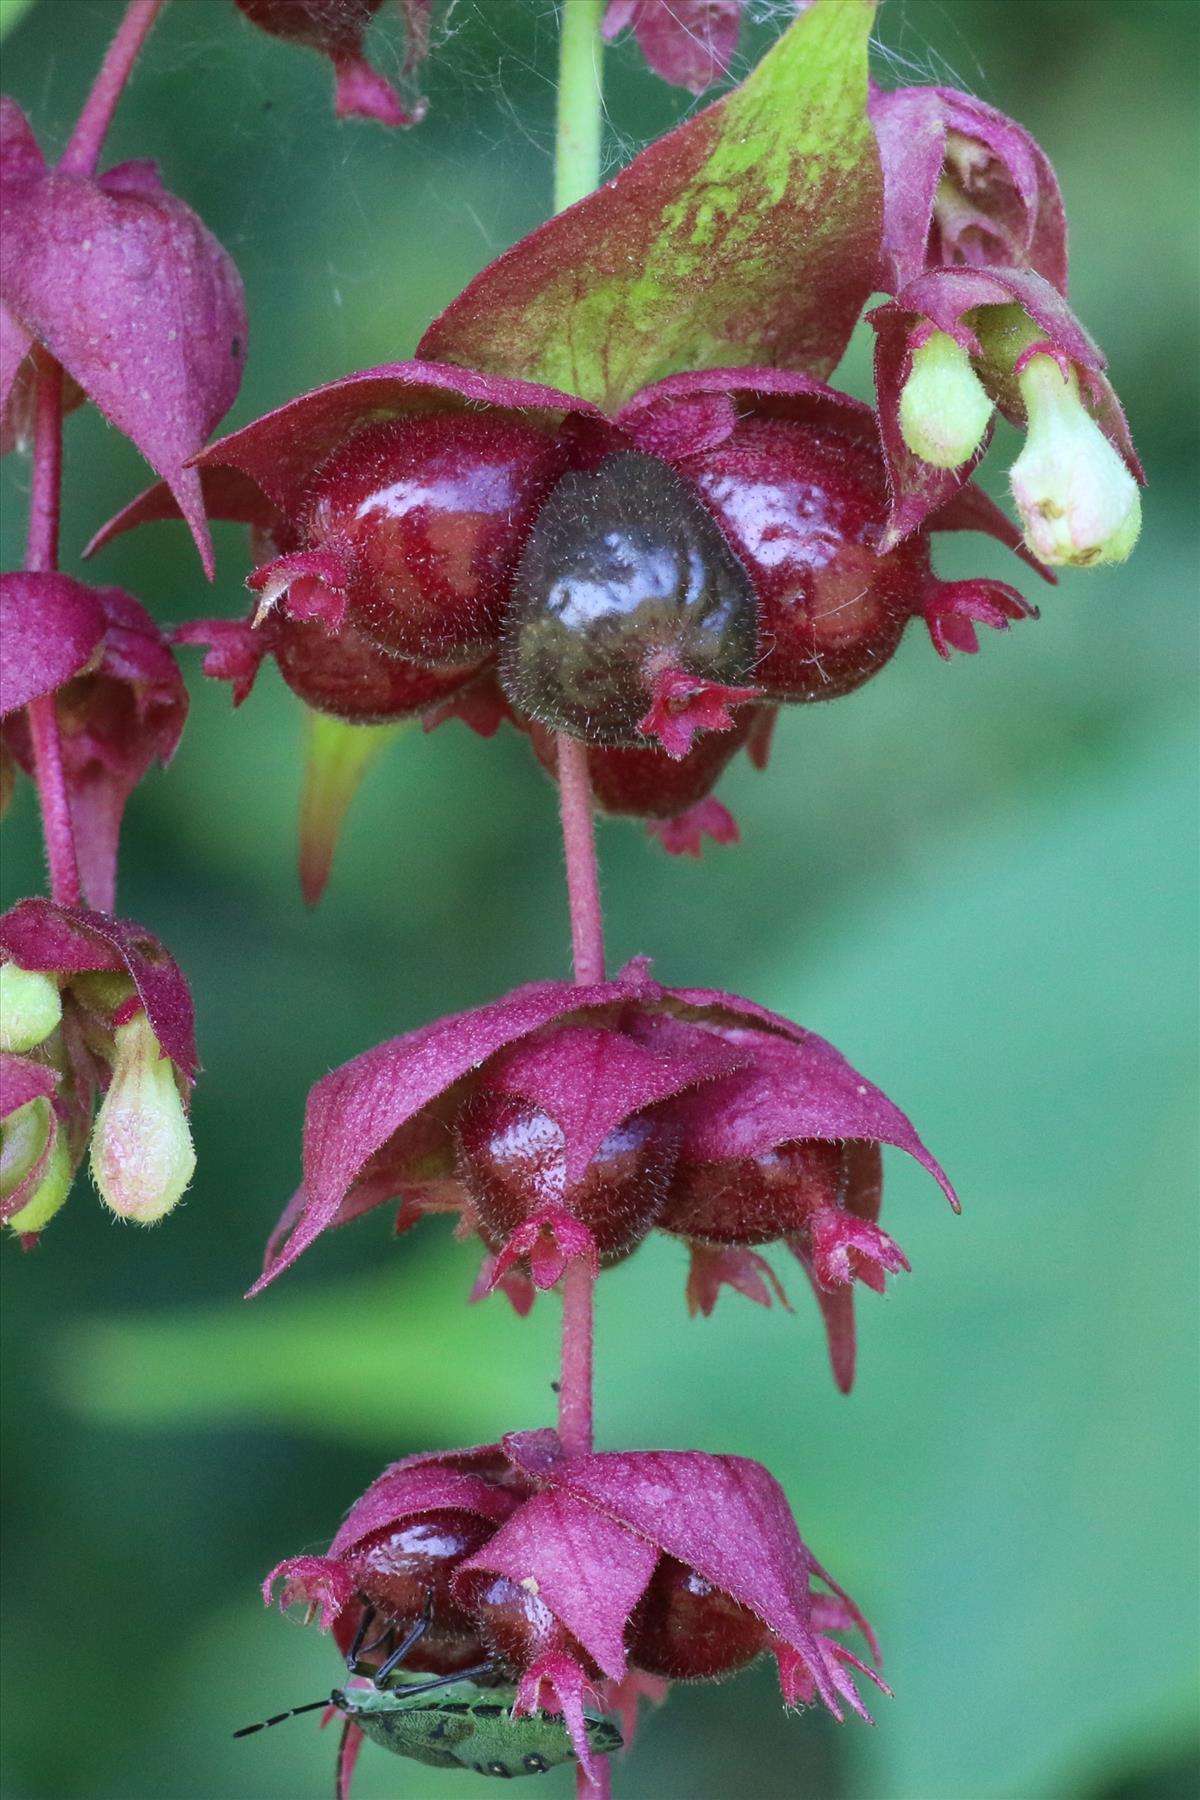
{"x":57,"y":826}
{"x":600,"y":1789}
{"x":587,"y":944}
{"x":579,"y":842}
{"x":86,"y":141}
{"x":575,"y":1372}
{"x":41,"y":555}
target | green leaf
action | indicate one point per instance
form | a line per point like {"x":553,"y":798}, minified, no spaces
{"x":337,"y":758}
{"x":747,"y":236}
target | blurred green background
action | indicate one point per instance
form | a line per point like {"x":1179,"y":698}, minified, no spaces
{"x":977,"y":880}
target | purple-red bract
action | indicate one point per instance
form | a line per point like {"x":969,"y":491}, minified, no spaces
{"x":131,"y":293}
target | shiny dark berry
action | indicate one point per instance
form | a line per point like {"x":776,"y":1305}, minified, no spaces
{"x":624,"y":578}
{"x":686,"y":1629}
{"x":646,"y":783}
{"x":512,"y":1157}
{"x":755,"y":1200}
{"x":514,"y":1623}
{"x":403,"y":1572}
{"x":429,"y":515}
{"x":804,"y":509}
{"x":342,"y":673}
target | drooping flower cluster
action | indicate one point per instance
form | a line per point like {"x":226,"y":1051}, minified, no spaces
{"x":567,"y":1122}
{"x":88,"y":1004}
{"x":601,"y":1577}
{"x":449,"y":538}
{"x":974,"y":253}
{"x":613,"y":500}
{"x":451,"y":544}
{"x":111,"y":290}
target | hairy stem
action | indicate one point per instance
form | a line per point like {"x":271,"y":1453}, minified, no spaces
{"x":576,"y":173}
{"x":579,"y":842}
{"x":575,"y":1374}
{"x":41,"y":555}
{"x":86,"y":141}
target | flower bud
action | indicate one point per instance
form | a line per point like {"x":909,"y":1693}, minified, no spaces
{"x":30,"y":1007}
{"x":944,"y":407}
{"x":142,"y":1155}
{"x":1078,"y":502}
{"x":24,"y":1139}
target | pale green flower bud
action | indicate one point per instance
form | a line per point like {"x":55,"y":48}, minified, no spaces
{"x":1078,"y":502}
{"x":944,"y":407}
{"x":52,"y":1190}
{"x":30,"y":1007}
{"x":142,"y":1156}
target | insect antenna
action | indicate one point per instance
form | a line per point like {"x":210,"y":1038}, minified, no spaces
{"x":249,"y":1730}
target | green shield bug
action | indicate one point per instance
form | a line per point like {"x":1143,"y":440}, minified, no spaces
{"x":453,"y":1722}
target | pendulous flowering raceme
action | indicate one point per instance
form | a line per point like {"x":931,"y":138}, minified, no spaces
{"x":564,"y":1123}
{"x":579,"y":1578}
{"x":120,"y":701}
{"x":974,"y":253}
{"x":628,"y":514}
{"x":90,"y":1005}
{"x":450,"y":544}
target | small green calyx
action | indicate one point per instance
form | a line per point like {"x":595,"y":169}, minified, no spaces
{"x":52,"y":1190}
{"x":30,"y":1008}
{"x":142,"y":1156}
{"x":1079,"y":504}
{"x":944,"y":407}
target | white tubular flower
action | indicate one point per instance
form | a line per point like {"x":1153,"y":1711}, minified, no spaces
{"x":142,"y":1156}
{"x":1079,"y":504}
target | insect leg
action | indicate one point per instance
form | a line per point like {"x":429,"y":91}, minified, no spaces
{"x":409,"y":1690}
{"x":364,"y":1625}
{"x":407,"y":1643}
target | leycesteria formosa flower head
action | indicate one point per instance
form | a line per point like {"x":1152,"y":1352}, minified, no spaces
{"x":91,"y":1004}
{"x":565,"y":1122}
{"x":613,"y":514}
{"x":444,"y":543}
{"x":567,"y":1584}
{"x":124,"y":286}
{"x":120,"y":701}
{"x":336,"y":29}
{"x":974,"y":251}
{"x":963,"y":184}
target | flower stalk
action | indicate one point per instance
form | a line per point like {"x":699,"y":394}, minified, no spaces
{"x":576,"y":173}
{"x":41,"y":556}
{"x":91,"y":128}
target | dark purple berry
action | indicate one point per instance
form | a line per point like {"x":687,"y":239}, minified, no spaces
{"x":685,"y":1629}
{"x":804,"y":509}
{"x":429,"y":516}
{"x":513,"y":1159}
{"x":405,"y":1572}
{"x":342,"y":673}
{"x":628,"y":608}
{"x":755,"y":1199}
